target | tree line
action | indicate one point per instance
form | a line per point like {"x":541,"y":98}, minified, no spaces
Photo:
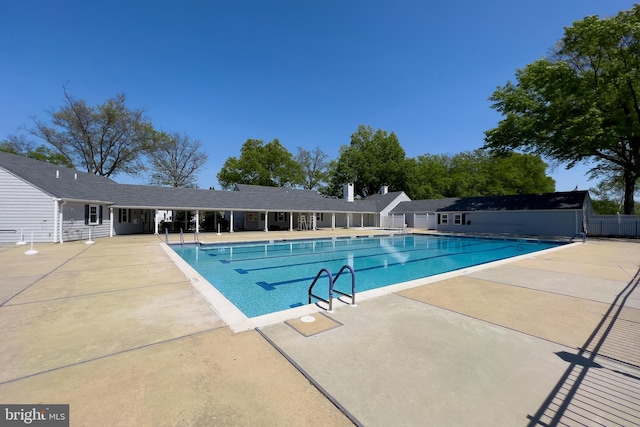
{"x":375,"y":158}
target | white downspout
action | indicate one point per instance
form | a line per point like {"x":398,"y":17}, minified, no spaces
{"x":266,"y":220}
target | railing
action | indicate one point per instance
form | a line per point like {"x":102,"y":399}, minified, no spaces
{"x":196,"y":236}
{"x":353,"y":284}
{"x":332,"y":281}
{"x":581,"y":235}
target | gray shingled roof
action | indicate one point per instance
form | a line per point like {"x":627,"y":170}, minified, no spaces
{"x":57,"y":181}
{"x":72,"y":184}
{"x":380,"y":201}
{"x":144,"y":196}
{"x":546,"y":201}
{"x":275,"y":190}
{"x":422,"y":206}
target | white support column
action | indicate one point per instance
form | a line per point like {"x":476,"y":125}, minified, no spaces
{"x":55,"y":220}
{"x":266,"y":220}
{"x":197,"y":221}
{"x":230,"y":221}
{"x":111,"y":222}
{"x":333,"y":220}
{"x":290,"y":221}
{"x":156,"y":225}
{"x":313,"y":221}
{"x":361,"y":220}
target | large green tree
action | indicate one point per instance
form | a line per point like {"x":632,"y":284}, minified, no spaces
{"x":176,"y":159}
{"x":477,"y":173}
{"x":105,"y":140}
{"x":18,"y":144}
{"x":314,"y":166}
{"x":373,"y":159}
{"x":581,"y":103}
{"x":269,"y":164}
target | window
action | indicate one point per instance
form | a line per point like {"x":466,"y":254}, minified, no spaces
{"x":281,"y":216}
{"x":252,"y":216}
{"x":319,"y":216}
{"x":457,"y":219}
{"x":443,"y":218}
{"x":125,"y":215}
{"x":92,"y":214}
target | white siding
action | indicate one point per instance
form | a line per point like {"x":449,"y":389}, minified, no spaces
{"x":73,"y":223}
{"x":543,"y":223}
{"x":24,"y":207}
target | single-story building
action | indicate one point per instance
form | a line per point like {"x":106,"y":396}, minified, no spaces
{"x":549,"y":214}
{"x":56,"y":204}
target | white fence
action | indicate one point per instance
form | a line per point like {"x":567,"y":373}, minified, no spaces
{"x":393,"y":221}
{"x":614,"y":225}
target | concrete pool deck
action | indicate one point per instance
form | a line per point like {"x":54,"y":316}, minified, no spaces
{"x":117,"y":331}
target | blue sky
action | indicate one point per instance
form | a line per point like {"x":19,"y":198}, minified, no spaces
{"x":307,"y":73}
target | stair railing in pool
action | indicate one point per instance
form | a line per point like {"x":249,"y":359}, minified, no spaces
{"x":332,"y":281}
{"x":353,"y":284}
{"x":311,"y":294}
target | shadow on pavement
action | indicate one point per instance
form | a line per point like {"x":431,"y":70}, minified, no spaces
{"x":606,"y":391}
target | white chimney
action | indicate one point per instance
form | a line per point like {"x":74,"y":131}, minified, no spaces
{"x":384,"y":189}
{"x":347,"y":192}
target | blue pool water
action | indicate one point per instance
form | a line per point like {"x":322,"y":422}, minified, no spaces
{"x":262,"y":278}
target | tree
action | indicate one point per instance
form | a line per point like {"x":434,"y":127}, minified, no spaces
{"x":270,"y":164}
{"x":582,"y":103}
{"x":429,"y":177}
{"x":314,"y":167}
{"x":477,"y":173}
{"x":373,"y":159}
{"x":105,"y":140}
{"x":175,"y":160}
{"x":18,"y":144}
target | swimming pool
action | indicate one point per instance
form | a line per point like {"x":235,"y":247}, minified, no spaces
{"x":266,"y":277}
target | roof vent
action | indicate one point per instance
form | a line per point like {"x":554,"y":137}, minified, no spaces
{"x":57,"y":174}
{"x":75,"y":176}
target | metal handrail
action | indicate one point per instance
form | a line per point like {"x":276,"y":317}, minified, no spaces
{"x":353,"y":284}
{"x":582,"y":235}
{"x":332,"y":281}
{"x":330,"y":300}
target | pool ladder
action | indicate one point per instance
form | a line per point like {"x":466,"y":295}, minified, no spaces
{"x":332,"y":282}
